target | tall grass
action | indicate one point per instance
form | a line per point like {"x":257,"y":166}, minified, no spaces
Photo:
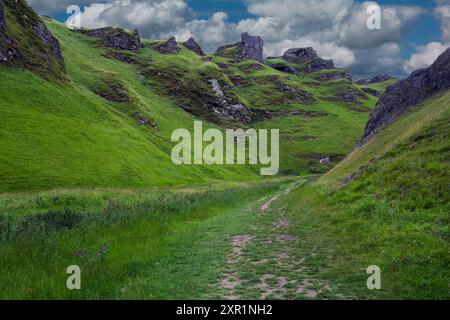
{"x":122,"y":237}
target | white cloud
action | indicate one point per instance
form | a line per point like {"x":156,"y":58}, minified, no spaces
{"x":211,"y":33}
{"x":443,"y":12}
{"x":152,"y":18}
{"x":52,"y":6}
{"x":395,"y":21}
{"x":303,"y":16}
{"x":343,"y":57}
{"x":384,"y":59}
{"x":336,"y":29}
{"x":424,"y":56}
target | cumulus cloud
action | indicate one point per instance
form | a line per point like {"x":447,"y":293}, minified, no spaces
{"x":211,"y":33}
{"x":424,"y":56}
{"x":443,"y":13}
{"x":302,"y":16}
{"x":52,"y":6}
{"x":384,"y":59}
{"x":152,"y":18}
{"x":341,"y":21}
{"x":336,"y":29}
{"x":395,"y":21}
{"x":342,"y":56}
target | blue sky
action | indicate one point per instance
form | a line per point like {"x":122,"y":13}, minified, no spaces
{"x":412,"y":34}
{"x":425,"y":31}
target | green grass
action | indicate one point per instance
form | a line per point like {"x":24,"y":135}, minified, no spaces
{"x":160,"y":244}
{"x":81,"y":182}
{"x":379,"y":86}
{"x":392,"y":213}
{"x":324,"y":128}
{"x":64,"y":135}
{"x":72,"y":134}
{"x":35,"y":55}
{"x":435,"y":109}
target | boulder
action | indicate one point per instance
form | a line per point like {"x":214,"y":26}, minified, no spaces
{"x":192,"y":45}
{"x":238,"y":81}
{"x":308,"y":57}
{"x":250,"y":48}
{"x":116,"y":38}
{"x":170,"y":46}
{"x":47,"y":38}
{"x":404,"y":95}
{"x":144,"y":121}
{"x":285,"y":68}
{"x":224,"y":107}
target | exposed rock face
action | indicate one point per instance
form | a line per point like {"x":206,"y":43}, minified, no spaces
{"x":40,"y":52}
{"x":192,"y":45}
{"x":117,"y":38}
{"x":307,"y":56}
{"x":228,"y":109}
{"x":170,"y":46}
{"x":250,"y":48}
{"x":334,"y":75}
{"x":120,"y":56}
{"x":293,"y":94}
{"x":41,"y":30}
{"x":7,"y":50}
{"x":399,"y":98}
{"x":113,"y":90}
{"x":375,"y":79}
{"x":286,"y":69}
{"x":238,"y":81}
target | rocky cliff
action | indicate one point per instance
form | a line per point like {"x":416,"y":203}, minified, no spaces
{"x":26,"y":42}
{"x":116,"y":38}
{"x":192,"y":45}
{"x":309,"y":57}
{"x":250,"y":48}
{"x":305,"y":60}
{"x":401,"y":97}
{"x":169,"y":46}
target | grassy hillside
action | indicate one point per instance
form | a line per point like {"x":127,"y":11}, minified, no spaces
{"x":314,"y":120}
{"x":377,"y":88}
{"x":109,"y":123}
{"x":63,"y":134}
{"x":387,"y":204}
{"x":86,"y":179}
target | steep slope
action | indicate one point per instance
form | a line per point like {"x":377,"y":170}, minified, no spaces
{"x":26,"y":42}
{"x":109,"y":120}
{"x":104,"y":127}
{"x":387,"y":204}
{"x":404,"y":95}
{"x":317,"y":108}
{"x":376,"y":88}
{"x":429,"y":120}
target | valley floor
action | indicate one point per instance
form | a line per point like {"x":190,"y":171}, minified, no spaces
{"x":267,"y":240}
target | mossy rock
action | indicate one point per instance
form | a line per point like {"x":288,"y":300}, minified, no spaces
{"x":27,"y":41}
